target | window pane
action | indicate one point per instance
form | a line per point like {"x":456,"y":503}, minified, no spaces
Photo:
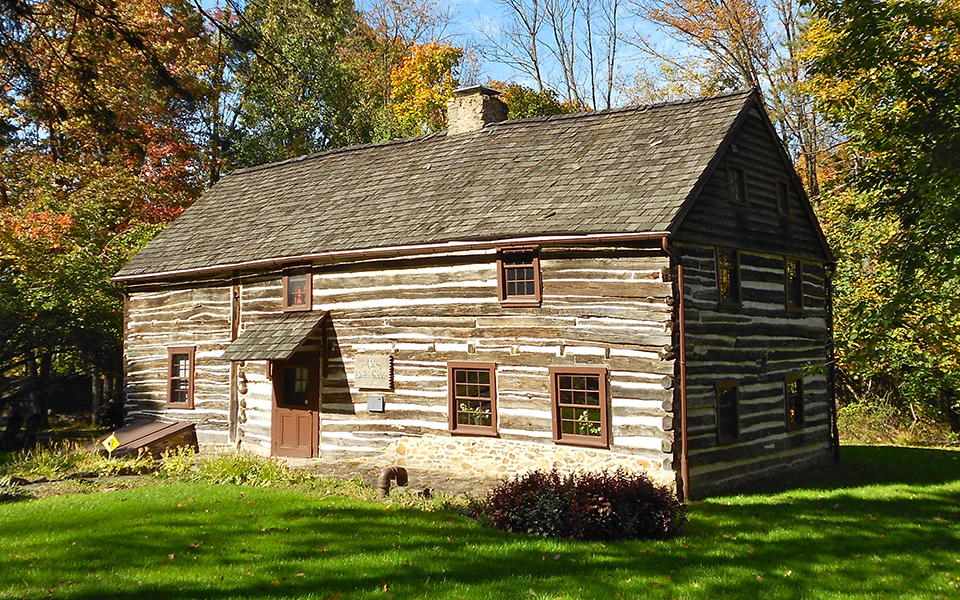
{"x":783,"y":197}
{"x":297,"y":290}
{"x":519,"y":274}
{"x":180,"y":365}
{"x":794,"y":283}
{"x":728,"y":275}
{"x":727,"y":424}
{"x":473,"y":397}
{"x":737,"y":186}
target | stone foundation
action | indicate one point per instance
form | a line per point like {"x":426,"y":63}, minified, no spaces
{"x":497,"y":459}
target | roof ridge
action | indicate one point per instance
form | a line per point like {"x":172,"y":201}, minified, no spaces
{"x":333,"y":151}
{"x":629,"y":108}
{"x":420,"y":138}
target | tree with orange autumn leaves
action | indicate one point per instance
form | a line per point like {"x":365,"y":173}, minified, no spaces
{"x":99,"y":111}
{"x":115,"y":116}
{"x":421,"y":86}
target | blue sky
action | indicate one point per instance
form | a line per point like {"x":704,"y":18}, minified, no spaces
{"x":468,"y":14}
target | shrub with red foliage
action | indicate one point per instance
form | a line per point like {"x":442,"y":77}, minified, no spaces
{"x":618,"y":505}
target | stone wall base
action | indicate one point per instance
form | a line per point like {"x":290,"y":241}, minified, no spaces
{"x":498,"y":459}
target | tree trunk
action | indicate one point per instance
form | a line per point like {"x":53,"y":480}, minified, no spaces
{"x":96,"y":390}
{"x":46,"y":365}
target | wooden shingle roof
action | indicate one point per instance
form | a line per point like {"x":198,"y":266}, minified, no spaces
{"x":619,"y":171}
{"x":274,"y":338}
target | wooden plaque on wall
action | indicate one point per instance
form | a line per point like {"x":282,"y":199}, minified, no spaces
{"x":373,"y":371}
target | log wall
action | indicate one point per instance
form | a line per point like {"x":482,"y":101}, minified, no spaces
{"x":157,"y":320}
{"x":600,"y":308}
{"x":755,"y":345}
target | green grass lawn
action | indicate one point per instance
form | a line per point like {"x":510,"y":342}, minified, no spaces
{"x":885,"y":523}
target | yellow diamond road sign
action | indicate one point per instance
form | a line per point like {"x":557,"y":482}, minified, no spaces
{"x":111,"y":443}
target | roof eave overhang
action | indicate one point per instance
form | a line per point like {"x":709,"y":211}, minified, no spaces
{"x":389,"y":252}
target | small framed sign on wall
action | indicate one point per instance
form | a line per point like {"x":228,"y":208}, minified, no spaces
{"x":373,"y":371}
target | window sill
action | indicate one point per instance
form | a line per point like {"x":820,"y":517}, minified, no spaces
{"x":582,"y":442}
{"x":303,"y":308}
{"x":466,"y":430}
{"x":521,"y":303}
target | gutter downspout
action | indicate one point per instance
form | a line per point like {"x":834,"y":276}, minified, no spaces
{"x":832,"y":365}
{"x":682,"y":333}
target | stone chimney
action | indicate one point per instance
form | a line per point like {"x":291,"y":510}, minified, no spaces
{"x":472,"y":108}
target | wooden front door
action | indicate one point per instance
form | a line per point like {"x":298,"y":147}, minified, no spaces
{"x":296,"y":407}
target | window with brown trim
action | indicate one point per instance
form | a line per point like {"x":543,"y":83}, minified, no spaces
{"x":737,"y":185}
{"x":298,"y":290}
{"x":793,"y":401}
{"x":181,"y":368}
{"x":783,"y":197}
{"x":728,"y":412}
{"x":296,"y":386}
{"x":793,"y":283}
{"x":728,"y":276}
{"x":518,"y":276}
{"x":472,"y":391}
{"x":579,"y":396}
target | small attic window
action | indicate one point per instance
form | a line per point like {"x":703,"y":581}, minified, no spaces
{"x":297,"y":290}
{"x":518,"y":275}
{"x":737,"y":185}
{"x":783,"y":197}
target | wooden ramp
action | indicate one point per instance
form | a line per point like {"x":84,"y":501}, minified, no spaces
{"x":154,"y":436}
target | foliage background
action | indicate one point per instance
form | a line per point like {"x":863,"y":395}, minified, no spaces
{"x":114,"y":117}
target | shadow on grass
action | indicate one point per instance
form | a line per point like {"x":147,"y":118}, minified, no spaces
{"x":845,"y":533}
{"x":872,"y":465}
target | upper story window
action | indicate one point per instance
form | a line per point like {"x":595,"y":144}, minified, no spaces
{"x":783,"y":197}
{"x":793,"y":283}
{"x":728,"y":276}
{"x":737,"y":185}
{"x":180,"y":376}
{"x":728,"y":412}
{"x":793,"y":401}
{"x":579,"y":396}
{"x":472,"y":392}
{"x":298,"y":290}
{"x":518,"y":276}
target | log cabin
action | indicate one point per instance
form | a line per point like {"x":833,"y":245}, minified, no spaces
{"x":644,"y":287}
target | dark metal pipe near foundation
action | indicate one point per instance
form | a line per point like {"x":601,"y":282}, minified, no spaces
{"x":388,"y":474}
